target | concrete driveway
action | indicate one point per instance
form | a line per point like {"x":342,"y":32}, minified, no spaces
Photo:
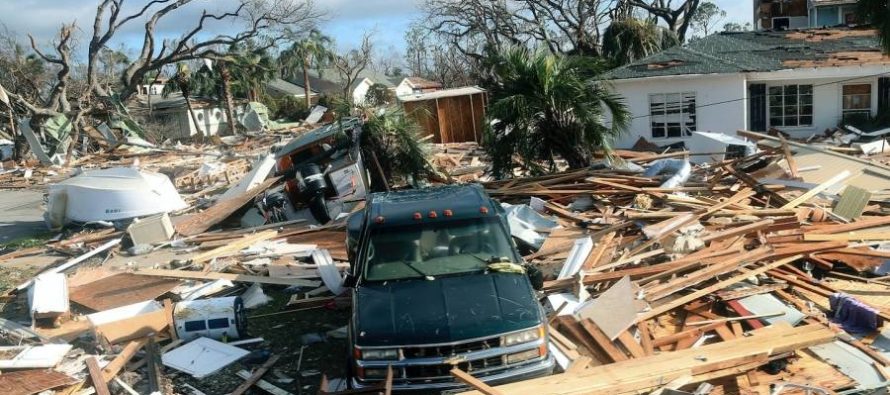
{"x":21,"y":214}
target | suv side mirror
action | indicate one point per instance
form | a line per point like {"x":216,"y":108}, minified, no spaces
{"x":350,"y":280}
{"x":535,"y":276}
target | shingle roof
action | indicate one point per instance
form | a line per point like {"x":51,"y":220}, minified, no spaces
{"x":735,"y":52}
{"x":288,"y":88}
{"x":423,"y":83}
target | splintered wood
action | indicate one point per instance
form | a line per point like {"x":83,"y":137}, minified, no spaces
{"x":723,"y":279}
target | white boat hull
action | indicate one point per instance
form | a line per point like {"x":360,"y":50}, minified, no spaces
{"x":111,"y":195}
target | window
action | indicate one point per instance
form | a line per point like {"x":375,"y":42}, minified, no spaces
{"x":791,"y":105}
{"x":218,"y":323}
{"x":672,"y":114}
{"x":191,"y":326}
{"x":856,"y":101}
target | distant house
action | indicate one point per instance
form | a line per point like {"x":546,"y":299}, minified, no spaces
{"x":329,"y":83}
{"x":412,"y":85}
{"x":280,"y":88}
{"x":172,"y":117}
{"x":154,"y":88}
{"x":449,"y":115}
{"x":795,"y":14}
{"x":801,"y":82}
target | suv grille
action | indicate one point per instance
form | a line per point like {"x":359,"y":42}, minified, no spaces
{"x":451,"y":350}
{"x":444,"y":370}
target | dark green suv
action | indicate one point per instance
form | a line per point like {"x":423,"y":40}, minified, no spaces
{"x":437,"y":283}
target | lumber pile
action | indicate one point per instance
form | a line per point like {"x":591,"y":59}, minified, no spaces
{"x":717,"y":280}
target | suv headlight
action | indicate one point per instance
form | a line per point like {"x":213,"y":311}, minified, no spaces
{"x":524,"y":336}
{"x":380,"y":354}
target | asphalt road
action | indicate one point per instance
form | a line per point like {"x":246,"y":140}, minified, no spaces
{"x":21,"y":214}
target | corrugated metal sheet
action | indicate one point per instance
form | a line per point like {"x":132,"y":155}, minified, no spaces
{"x":851,"y":362}
{"x":768,"y":304}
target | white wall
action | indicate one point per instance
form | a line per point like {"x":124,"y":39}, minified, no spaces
{"x":828,"y":85}
{"x":714,"y":88}
{"x":358,"y":94}
{"x":404,"y":88}
{"x":212,"y":120}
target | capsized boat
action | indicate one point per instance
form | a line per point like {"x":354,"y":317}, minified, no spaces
{"x":110,"y":195}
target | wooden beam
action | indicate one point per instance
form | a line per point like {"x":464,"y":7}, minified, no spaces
{"x":112,"y":368}
{"x":97,"y":377}
{"x":477,"y":384}
{"x":715,"y":287}
{"x":603,"y":341}
{"x":195,"y":275}
{"x":818,"y":189}
{"x":256,"y":376}
{"x":233,"y":246}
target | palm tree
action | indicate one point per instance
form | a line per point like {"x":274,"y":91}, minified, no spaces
{"x":877,"y":13}
{"x":250,"y":67}
{"x":182,"y":81}
{"x":392,"y":141}
{"x":627,"y":40}
{"x":545,"y":106}
{"x":312,"y":49}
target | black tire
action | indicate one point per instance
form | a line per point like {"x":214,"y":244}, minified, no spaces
{"x":319,"y":209}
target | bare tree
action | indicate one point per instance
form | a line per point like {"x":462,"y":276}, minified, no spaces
{"x":677,"y":19}
{"x":561,"y":26}
{"x":352,"y":63}
{"x":259,"y":18}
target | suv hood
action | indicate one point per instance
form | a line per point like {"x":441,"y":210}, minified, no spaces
{"x":448,"y":309}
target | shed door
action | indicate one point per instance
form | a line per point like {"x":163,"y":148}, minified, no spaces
{"x":757,"y":107}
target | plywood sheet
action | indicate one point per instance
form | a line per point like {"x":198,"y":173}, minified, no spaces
{"x":120,"y":290}
{"x":27,"y":382}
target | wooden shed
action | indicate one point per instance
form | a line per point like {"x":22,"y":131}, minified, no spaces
{"x":449,"y":115}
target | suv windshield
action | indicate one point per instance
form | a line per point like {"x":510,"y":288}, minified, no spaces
{"x":435,"y":249}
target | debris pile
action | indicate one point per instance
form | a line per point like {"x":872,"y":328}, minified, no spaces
{"x":759,"y":270}
{"x":753,"y":273}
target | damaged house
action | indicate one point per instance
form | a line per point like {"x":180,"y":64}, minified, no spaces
{"x":175,"y":122}
{"x":795,"y":14}
{"x":801,"y":82}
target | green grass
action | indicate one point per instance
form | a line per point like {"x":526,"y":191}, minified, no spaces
{"x":35,"y":240}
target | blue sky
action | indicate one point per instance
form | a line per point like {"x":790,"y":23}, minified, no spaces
{"x":346,"y":20}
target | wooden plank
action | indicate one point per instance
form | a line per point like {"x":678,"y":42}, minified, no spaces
{"x":859,"y":236}
{"x":97,"y":377}
{"x":597,"y":254}
{"x":792,"y":164}
{"x":715,"y":287}
{"x":233,"y":246}
{"x":33,"y":381}
{"x":112,"y":368}
{"x":226,"y":276}
{"x":199,"y":223}
{"x":134,"y":327}
{"x":120,"y":290}
{"x":630,"y":344}
{"x":645,"y":374}
{"x":479,"y":385}
{"x":263,"y":384}
{"x":615,"y":354}
{"x":818,"y":189}
{"x":646,"y":338}
{"x":256,"y":376}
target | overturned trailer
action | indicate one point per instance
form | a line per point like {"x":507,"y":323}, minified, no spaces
{"x":323,"y":172}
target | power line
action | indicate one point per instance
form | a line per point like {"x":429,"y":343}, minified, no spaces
{"x":746,"y":98}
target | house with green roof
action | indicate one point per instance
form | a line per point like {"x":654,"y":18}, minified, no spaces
{"x":799,"y":81}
